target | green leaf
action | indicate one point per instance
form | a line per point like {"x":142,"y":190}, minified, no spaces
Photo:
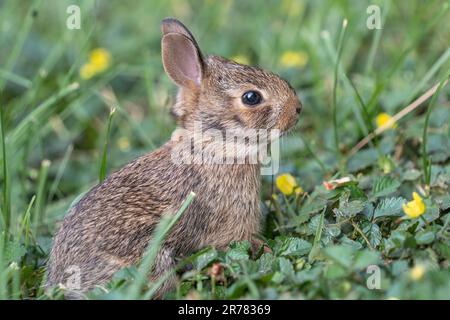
{"x":368,"y":210}
{"x":314,"y":223}
{"x":425,"y":237}
{"x":389,"y":207}
{"x":241,"y":245}
{"x":205,"y":259}
{"x":236,"y":289}
{"x":439,"y":117}
{"x":399,"y":237}
{"x":365,"y":258}
{"x":372,"y":231}
{"x":332,"y":231}
{"x":277,"y":277}
{"x":444,"y":202}
{"x":291,"y":246}
{"x":384,"y":186}
{"x":399,"y":267}
{"x":443,"y":249}
{"x":308,"y":275}
{"x":346,"y":241}
{"x":14,"y":251}
{"x":313,"y":206}
{"x":355,"y":192}
{"x":335,"y":271}
{"x":239,"y":251}
{"x":350,"y":209}
{"x":343,"y":255}
{"x":432,"y":211}
{"x":437,"y":142}
{"x":411,"y":175}
{"x":286,"y":267}
{"x":362,"y":159}
{"x":265,"y":263}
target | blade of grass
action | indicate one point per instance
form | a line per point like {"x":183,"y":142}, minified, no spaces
{"x":162,"y":230}
{"x":15,"y":283}
{"x":426,"y":161}
{"x":3,"y":267}
{"x":182,"y":264}
{"x":376,"y":38}
{"x":109,"y":97}
{"x":25,"y":227}
{"x":316,"y":244}
{"x":417,"y":38}
{"x":361,"y":115}
{"x":53,"y":57}
{"x":335,"y":85}
{"x":21,"y":37}
{"x":361,"y":111}
{"x":314,"y":155}
{"x":6,"y":194}
{"x":39,"y":115}
{"x":15,"y":271}
{"x":252,"y":287}
{"x":40,"y":195}
{"x":411,"y":107}
{"x":105,"y":147}
{"x":367,"y":127}
{"x":60,"y":172}
{"x":10,"y":76}
{"x":71,"y":108}
{"x":431,"y":72}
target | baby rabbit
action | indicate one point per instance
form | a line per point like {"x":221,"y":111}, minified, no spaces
{"x":111,"y":226}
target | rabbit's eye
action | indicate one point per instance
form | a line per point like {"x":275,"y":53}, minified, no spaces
{"x":251,"y":98}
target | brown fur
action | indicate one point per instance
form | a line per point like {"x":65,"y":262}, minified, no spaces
{"x":111,"y":226}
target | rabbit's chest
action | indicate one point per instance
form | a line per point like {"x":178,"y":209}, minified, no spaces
{"x":231,"y":209}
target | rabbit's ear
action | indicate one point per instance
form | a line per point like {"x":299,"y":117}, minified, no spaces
{"x":172,"y":25}
{"x":181,"y":56}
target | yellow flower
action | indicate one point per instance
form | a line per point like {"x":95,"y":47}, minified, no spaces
{"x":87,"y":71}
{"x":298,"y":190}
{"x":383,"y":118}
{"x":123,"y":143}
{"x":293,"y":59}
{"x":99,"y":61}
{"x":292,"y":8}
{"x":417,"y":272}
{"x":240,"y":58}
{"x":414,"y":208}
{"x":287,"y":184}
{"x":100,"y":58}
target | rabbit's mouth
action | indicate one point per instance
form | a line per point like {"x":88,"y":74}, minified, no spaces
{"x":286,"y":129}
{"x":289,"y":116}
{"x":289,"y":130}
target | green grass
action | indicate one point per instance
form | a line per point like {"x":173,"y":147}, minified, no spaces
{"x":58,"y":137}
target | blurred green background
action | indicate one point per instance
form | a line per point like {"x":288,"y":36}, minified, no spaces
{"x":52,"y":112}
